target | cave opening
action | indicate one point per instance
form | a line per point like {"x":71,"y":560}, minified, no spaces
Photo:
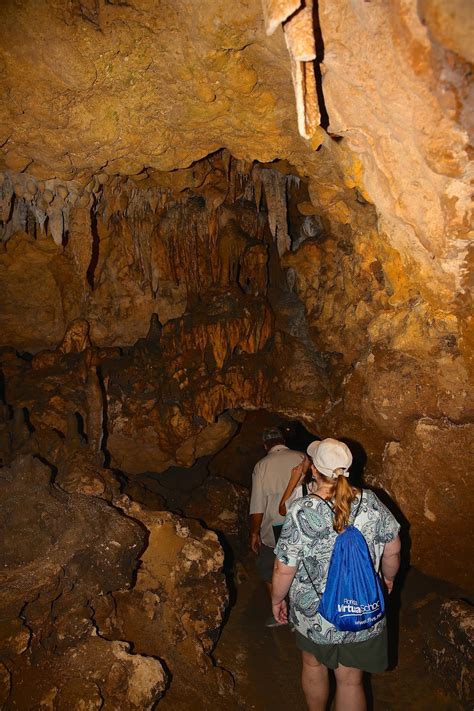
{"x":216,"y":220}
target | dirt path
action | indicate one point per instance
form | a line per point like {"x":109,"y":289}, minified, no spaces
{"x":266,"y":665}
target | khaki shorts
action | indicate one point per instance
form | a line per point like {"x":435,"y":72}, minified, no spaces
{"x":369,"y":656}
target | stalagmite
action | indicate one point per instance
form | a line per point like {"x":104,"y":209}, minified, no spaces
{"x":95,"y":408}
{"x":76,"y":339}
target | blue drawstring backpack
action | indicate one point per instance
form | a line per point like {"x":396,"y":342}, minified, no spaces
{"x":353,"y":598}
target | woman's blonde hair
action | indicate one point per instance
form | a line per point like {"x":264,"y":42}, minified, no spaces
{"x":342,"y":494}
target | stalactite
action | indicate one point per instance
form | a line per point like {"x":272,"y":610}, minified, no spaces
{"x":249,"y":190}
{"x":257,"y":181}
{"x":139,"y":216}
{"x":293,"y":181}
{"x":298,"y":26}
{"x":213,"y":231}
{"x":56,"y":220}
{"x":274,"y":184}
{"x":21,"y":209}
{"x":226,"y":160}
{"x":40,"y":216}
{"x":275,"y":13}
{"x":81,"y":241}
{"x":23,"y":199}
{"x":233,"y":180}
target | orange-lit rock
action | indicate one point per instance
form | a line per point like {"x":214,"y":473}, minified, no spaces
{"x":183,"y":563}
{"x":427,"y":474}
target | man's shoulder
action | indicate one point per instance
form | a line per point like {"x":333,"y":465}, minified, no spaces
{"x":290,"y":454}
{"x":260,"y":465}
{"x":280,"y":451}
{"x":276,"y":450}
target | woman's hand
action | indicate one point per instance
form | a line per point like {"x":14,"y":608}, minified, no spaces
{"x":388,"y":584}
{"x":280,"y":612}
{"x":299,"y":470}
{"x":297,"y":474}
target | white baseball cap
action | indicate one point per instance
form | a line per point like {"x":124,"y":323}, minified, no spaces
{"x":329,"y":455}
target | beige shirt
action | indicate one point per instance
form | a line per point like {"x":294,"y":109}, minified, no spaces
{"x":269,"y":480}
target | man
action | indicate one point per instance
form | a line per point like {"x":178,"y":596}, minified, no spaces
{"x":269,"y":480}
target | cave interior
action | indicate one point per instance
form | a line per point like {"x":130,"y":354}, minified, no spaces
{"x":212,"y":222}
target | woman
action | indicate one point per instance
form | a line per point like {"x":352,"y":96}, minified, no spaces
{"x":308,"y":536}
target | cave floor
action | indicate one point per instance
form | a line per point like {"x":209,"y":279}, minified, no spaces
{"x":266,"y":664}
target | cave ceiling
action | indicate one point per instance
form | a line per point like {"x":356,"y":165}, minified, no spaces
{"x":117,"y":88}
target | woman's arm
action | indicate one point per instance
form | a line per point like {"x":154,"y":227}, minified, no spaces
{"x":282,"y":578}
{"x":391,"y":562}
{"x":297,"y":476}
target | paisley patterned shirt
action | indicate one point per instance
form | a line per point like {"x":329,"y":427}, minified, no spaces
{"x":308,"y":535}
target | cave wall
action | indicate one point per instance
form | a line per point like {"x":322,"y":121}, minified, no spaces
{"x":154,"y":184}
{"x":226,"y":289}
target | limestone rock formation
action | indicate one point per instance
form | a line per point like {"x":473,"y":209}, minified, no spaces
{"x":176,"y":605}
{"x":72,"y":596}
{"x":330,"y":329}
{"x":121,"y":106}
{"x":61,"y":553}
{"x":222,"y":505}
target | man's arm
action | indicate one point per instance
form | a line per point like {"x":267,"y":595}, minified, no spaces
{"x":257,"y":507}
{"x":255,"y":525}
